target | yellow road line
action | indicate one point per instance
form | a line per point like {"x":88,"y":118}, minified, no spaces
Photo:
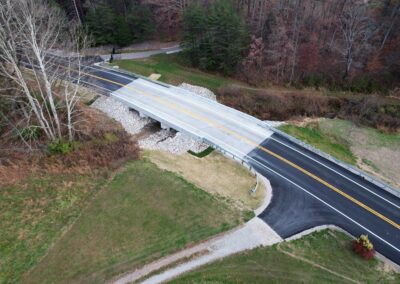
{"x":245,"y":139}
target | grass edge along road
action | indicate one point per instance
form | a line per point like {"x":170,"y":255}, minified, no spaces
{"x":134,"y":220}
{"x":255,"y":144}
{"x":367,"y":148}
{"x":173,"y":71}
{"x":328,"y":248}
{"x":330,"y":144}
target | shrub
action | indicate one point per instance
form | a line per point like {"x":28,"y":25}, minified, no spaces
{"x":31,"y":132}
{"x":92,"y":100}
{"x":110,"y":138}
{"x":202,"y":154}
{"x":61,"y":147}
{"x":314,"y":81}
{"x":363,"y":247}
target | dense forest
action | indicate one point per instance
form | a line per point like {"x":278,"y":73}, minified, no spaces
{"x":350,"y":44}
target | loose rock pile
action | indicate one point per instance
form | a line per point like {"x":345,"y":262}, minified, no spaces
{"x":164,"y":140}
{"x":200,"y":91}
{"x":130,"y":120}
{"x":169,"y":141}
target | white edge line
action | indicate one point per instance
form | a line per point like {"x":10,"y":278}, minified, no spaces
{"x":333,"y":170}
{"x":319,"y":199}
{"x":338,"y":211}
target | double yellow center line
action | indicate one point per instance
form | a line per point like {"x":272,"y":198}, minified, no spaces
{"x":253,"y":143}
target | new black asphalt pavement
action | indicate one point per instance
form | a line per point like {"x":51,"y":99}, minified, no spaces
{"x":300,"y":202}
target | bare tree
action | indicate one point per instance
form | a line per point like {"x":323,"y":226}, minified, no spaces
{"x":355,"y":28}
{"x":30,"y":32}
{"x":390,"y":23}
{"x":298,"y":17}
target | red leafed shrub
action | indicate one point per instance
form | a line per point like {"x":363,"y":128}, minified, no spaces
{"x":363,"y":247}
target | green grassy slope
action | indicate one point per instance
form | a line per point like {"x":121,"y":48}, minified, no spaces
{"x":329,"y":143}
{"x":33,"y":214}
{"x":329,"y":249}
{"x":173,"y":71}
{"x":142,"y":215}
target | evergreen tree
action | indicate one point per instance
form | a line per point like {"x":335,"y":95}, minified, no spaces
{"x":123,"y":35}
{"x":194,"y":30}
{"x":100,"y":22}
{"x":228,"y":36}
{"x":141,"y":22}
{"x":216,"y":41}
{"x":268,"y":27}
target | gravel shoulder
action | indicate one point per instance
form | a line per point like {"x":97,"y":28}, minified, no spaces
{"x":253,"y":234}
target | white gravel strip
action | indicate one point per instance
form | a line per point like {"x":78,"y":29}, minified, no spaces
{"x":130,"y":120}
{"x":200,"y":91}
{"x":253,"y":234}
{"x":274,"y":123}
{"x":268,"y":194}
{"x":166,"y":140}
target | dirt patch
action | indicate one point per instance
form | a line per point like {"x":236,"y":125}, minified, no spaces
{"x":378,"y":153}
{"x":381,"y":162}
{"x":215,"y":174}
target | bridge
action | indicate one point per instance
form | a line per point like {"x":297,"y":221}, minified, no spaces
{"x":309,"y":189}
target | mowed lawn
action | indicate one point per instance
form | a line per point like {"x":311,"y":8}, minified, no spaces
{"x":174,"y":71}
{"x":327,"y":142}
{"x":34,"y":213}
{"x":143,"y":214}
{"x":329,"y":249}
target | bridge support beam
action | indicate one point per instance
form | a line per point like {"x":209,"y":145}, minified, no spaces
{"x":142,"y":115}
{"x":163,"y":126}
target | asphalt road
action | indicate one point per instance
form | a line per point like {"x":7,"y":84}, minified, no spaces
{"x":143,"y":54}
{"x":307,"y":189}
{"x":300,"y":202}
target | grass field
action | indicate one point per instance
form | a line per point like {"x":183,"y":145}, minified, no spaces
{"x":142,"y":215}
{"x":328,"y":142}
{"x":371,"y":150}
{"x":329,"y":249}
{"x":33,"y":214}
{"x":215,"y":174}
{"x":173,"y":71}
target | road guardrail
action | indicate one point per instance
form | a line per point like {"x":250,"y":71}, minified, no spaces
{"x":263,"y":124}
{"x":342,"y":164}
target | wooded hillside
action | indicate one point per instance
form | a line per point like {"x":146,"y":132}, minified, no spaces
{"x":353,"y":45}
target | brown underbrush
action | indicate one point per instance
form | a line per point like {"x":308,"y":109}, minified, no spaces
{"x":370,"y":110}
{"x":102,"y":144}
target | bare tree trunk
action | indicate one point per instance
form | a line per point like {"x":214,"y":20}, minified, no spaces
{"x":296,"y":32}
{"x":355,"y":33}
{"x":30,"y":31}
{"x":393,"y":17}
